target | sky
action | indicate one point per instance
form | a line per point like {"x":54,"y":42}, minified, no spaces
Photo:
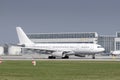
{"x":49,"y":16}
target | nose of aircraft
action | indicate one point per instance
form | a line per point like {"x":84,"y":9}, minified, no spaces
{"x":102,"y":49}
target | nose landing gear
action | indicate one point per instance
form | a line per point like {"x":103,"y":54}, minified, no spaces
{"x":93,"y":56}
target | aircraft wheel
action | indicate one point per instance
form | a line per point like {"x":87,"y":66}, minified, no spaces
{"x":51,"y":57}
{"x":93,"y":57}
{"x":66,"y":57}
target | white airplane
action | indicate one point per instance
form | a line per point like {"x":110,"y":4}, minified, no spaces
{"x":115,"y":53}
{"x":63,"y":50}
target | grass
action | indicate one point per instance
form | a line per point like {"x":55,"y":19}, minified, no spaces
{"x":60,"y":70}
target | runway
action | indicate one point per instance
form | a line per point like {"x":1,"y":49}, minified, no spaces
{"x":71,"y":58}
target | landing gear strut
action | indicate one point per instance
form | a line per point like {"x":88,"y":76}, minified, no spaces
{"x":93,"y":56}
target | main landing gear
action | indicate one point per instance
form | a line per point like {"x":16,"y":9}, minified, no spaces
{"x":53,"y":57}
{"x":66,"y":57}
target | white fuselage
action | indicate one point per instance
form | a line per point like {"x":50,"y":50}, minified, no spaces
{"x":80,"y":48}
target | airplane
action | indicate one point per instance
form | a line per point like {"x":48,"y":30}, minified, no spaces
{"x":63,"y":50}
{"x":115,"y":53}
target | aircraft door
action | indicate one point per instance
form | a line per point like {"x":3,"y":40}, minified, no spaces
{"x":78,"y":49}
{"x":91,"y":48}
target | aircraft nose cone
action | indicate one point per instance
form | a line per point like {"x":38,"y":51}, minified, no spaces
{"x":102,"y":49}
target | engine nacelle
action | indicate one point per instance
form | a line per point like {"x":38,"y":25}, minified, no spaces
{"x":21,"y":45}
{"x":58,"y":54}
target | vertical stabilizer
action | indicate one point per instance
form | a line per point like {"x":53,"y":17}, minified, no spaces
{"x":23,"y":39}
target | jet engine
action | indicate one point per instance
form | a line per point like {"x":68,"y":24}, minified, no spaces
{"x":58,"y":54}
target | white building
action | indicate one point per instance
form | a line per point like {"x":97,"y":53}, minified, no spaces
{"x":1,"y":50}
{"x":14,"y":50}
{"x":109,"y":42}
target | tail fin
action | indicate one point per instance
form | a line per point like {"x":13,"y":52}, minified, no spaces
{"x":23,"y":39}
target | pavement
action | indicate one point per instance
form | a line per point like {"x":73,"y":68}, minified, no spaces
{"x":45,"y":57}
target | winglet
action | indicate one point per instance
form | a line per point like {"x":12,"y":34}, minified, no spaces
{"x":23,"y":39}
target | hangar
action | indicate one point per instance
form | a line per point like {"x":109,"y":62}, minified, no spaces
{"x":87,"y":37}
{"x":109,"y":42}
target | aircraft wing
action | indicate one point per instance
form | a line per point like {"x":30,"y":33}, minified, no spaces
{"x":47,"y":51}
{"x":40,"y":49}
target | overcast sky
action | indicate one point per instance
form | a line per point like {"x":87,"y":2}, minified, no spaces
{"x":39,"y":16}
